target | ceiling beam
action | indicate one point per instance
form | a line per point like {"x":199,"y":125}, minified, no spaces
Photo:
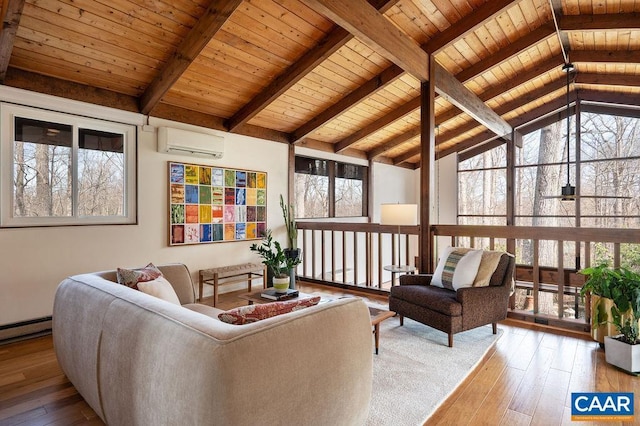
{"x":205,"y":29}
{"x":365,"y":22}
{"x":466,"y":25}
{"x":333,"y":41}
{"x":608,"y":79}
{"x":607,"y":21}
{"x":608,"y":97}
{"x":10,"y":22}
{"x":370,"y":26}
{"x":393,"y":142}
{"x":610,"y":56}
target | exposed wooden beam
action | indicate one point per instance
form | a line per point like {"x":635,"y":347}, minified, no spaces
{"x":66,"y":89}
{"x":380,"y":123}
{"x":207,"y":26}
{"x":333,"y":41}
{"x":387,"y":77}
{"x":610,"y":110}
{"x":459,"y":95}
{"x":10,"y":22}
{"x":365,"y":22}
{"x":507,"y":52}
{"x":604,"y":96}
{"x":612,"y":56}
{"x":466,"y":25}
{"x":608,"y":79}
{"x":607,"y":21}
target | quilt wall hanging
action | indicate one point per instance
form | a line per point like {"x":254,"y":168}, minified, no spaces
{"x":209,"y":204}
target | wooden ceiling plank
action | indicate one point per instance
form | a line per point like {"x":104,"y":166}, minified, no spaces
{"x":337,"y":38}
{"x":513,"y":49}
{"x":208,"y":25}
{"x":609,"y":21}
{"x":467,"y":24}
{"x":10,"y":22}
{"x":387,"y":77}
{"x":382,"y":122}
{"x":393,"y":142}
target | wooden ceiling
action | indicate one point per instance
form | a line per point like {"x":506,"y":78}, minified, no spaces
{"x":340,"y":76}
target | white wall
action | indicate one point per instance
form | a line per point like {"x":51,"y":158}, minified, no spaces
{"x":34,"y":260}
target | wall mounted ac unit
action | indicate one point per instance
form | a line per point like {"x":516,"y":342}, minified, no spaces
{"x":189,"y":143}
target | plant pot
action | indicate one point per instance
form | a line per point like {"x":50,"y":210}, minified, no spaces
{"x":281,"y":284}
{"x":293,"y":254}
{"x":622,"y":355}
{"x":609,"y":329}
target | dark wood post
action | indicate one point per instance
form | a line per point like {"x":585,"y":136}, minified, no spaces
{"x":427,"y":162}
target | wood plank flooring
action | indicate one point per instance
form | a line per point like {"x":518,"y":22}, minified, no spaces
{"x":527,"y":379}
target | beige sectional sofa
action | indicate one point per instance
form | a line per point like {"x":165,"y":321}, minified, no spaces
{"x":138,"y":360}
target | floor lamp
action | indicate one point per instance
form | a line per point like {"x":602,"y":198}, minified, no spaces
{"x":400,"y":215}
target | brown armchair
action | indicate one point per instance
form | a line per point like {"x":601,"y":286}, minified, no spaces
{"x":454,"y":311}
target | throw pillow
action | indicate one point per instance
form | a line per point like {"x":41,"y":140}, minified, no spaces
{"x":488,"y":265}
{"x":457,"y":268}
{"x":253,"y":313}
{"x":131,"y":277}
{"x":160,"y":288}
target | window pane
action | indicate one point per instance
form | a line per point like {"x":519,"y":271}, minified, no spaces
{"x":42,"y":169}
{"x":312,"y":195}
{"x":348,"y":197}
{"x":608,"y":137}
{"x":101,"y":177}
{"x":538,"y":190}
{"x":482,"y":192}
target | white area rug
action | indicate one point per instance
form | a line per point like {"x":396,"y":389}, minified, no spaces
{"x":415,"y":370}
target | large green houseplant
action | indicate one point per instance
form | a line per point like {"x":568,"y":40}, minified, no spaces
{"x":292,"y":251}
{"x":618,"y":288}
{"x":278,"y":265}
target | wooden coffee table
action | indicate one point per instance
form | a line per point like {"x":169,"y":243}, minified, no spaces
{"x":377,"y":316}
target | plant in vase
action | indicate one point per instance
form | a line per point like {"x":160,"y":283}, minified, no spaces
{"x":620,"y":289}
{"x":292,"y":251}
{"x":278,"y":265}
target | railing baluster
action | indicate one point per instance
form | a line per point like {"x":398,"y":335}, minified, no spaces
{"x":536,"y":276}
{"x":355,"y":257}
{"x":333,"y":256}
{"x":379,"y":259}
{"x":313,"y":254}
{"x":322,"y":256}
{"x":344,"y":257}
{"x":616,"y":255}
{"x":560,"y":279}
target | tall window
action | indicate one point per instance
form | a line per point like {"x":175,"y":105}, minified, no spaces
{"x":61,"y":169}
{"x":326,"y":188}
{"x":482,"y":189}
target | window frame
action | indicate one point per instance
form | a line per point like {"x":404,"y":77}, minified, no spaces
{"x":332,"y":175}
{"x":8,"y":113}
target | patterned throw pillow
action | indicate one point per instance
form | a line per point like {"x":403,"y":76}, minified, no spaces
{"x":131,"y":277}
{"x":457,"y":268}
{"x":253,"y":313}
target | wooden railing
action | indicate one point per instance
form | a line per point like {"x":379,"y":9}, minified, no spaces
{"x":354,"y":253}
{"x":547,"y":283}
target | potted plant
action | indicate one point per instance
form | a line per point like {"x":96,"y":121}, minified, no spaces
{"x":622,"y":287}
{"x":278,"y":265}
{"x":292,"y":251}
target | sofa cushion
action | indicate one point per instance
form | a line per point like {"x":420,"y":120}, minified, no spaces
{"x":488,"y":265}
{"x":430,"y":297}
{"x":253,"y":313}
{"x":457,"y":268}
{"x":160,"y":288}
{"x":131,"y":277}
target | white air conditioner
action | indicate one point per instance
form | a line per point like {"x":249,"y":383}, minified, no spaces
{"x":189,"y":143}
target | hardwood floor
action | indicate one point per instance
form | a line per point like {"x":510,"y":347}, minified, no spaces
{"x":527,"y":379}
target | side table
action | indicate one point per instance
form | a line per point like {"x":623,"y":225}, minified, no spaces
{"x":398,"y":269}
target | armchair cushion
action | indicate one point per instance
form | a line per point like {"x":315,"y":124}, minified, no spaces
{"x":431,"y":297}
{"x":457,"y":268}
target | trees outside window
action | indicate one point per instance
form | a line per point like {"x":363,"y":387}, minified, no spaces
{"x":325,"y":188}
{"x":60,"y":169}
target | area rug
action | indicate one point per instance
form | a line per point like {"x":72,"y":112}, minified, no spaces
{"x":416,"y":371}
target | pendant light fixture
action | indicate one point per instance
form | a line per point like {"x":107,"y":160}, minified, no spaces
{"x":568,"y":191}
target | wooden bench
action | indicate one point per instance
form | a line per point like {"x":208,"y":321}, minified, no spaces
{"x":230,"y":274}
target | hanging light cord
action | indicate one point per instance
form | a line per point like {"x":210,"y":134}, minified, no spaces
{"x":568,"y":124}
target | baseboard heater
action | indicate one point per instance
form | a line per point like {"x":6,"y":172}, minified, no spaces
{"x":25,"y":329}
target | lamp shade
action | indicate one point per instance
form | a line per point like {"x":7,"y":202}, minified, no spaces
{"x":399,"y":214}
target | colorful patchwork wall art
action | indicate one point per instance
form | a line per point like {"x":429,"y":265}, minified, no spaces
{"x":210,"y":204}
